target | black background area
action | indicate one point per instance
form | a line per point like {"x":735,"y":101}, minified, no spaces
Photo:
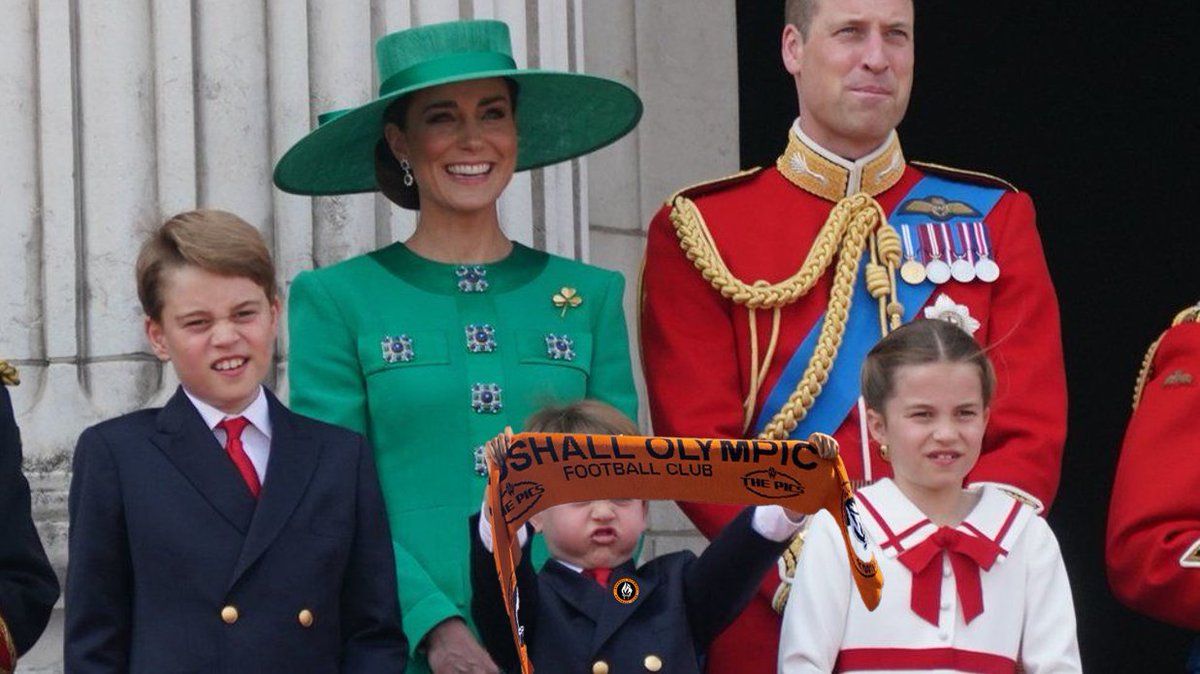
{"x":1089,"y":107}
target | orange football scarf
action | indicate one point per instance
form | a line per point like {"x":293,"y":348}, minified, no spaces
{"x":548,"y":469}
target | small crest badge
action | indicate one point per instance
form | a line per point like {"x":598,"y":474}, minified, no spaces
{"x":946,"y":309}
{"x":1178,"y":378}
{"x":397,"y":349}
{"x":938,"y":208}
{"x":625,"y":590}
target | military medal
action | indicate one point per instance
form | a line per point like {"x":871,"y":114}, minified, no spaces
{"x":912,"y":271}
{"x":985,"y":267}
{"x":963,"y":267}
{"x":936,"y":269}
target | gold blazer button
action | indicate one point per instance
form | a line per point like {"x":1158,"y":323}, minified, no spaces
{"x":600,"y":667}
{"x":653,"y":663}
{"x":229,"y":614}
{"x":305,"y":618}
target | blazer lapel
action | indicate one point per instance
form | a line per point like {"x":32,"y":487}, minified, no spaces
{"x":195,"y":452}
{"x":293,"y":459}
{"x":613,"y":613}
{"x":578,"y":592}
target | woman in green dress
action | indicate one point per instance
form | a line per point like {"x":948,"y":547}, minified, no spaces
{"x":433,"y":345}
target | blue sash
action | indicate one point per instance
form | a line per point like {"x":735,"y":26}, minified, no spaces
{"x":841,"y":392}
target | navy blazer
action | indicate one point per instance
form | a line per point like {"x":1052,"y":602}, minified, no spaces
{"x":571,"y":623}
{"x":175,"y":567}
{"x":28,"y":586}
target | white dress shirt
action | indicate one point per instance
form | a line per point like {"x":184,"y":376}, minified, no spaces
{"x":256,"y":438}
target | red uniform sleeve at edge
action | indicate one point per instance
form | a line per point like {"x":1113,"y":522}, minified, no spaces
{"x":1154,"y":517}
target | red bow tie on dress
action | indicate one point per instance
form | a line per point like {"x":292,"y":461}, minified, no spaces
{"x":968,"y":554}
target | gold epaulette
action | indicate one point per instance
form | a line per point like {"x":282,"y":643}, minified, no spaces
{"x":714,"y":185}
{"x":967,"y":176}
{"x":1188,"y":315}
{"x":8,"y":374}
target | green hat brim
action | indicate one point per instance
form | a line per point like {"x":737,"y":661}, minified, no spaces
{"x":560,"y":115}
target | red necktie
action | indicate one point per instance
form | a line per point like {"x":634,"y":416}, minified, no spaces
{"x":599,"y":574}
{"x":233,"y":447}
{"x":968,"y":554}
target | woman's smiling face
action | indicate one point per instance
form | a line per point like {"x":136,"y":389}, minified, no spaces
{"x":460,"y":140}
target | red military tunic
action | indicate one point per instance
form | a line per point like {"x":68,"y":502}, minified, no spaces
{"x":696,"y":344}
{"x":1153,"y":543}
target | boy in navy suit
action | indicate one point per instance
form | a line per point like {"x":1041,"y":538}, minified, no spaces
{"x":591,"y":609}
{"x":223,"y":532}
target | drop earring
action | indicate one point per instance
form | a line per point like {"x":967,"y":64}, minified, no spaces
{"x":408,"y":176}
{"x":884,"y":453}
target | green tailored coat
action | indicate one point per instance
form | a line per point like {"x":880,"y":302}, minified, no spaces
{"x":429,"y":361}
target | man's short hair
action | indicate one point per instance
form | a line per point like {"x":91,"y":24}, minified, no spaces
{"x":216,"y":241}
{"x":800,"y":13}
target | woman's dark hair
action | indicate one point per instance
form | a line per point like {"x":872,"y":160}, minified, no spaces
{"x":388,"y":174}
{"x":919,"y":343}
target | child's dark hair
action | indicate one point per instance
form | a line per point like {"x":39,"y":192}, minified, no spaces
{"x":591,"y":417}
{"x":919,"y":343}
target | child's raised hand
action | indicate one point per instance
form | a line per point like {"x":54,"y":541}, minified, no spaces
{"x":826,"y":446}
{"x":497,"y":447}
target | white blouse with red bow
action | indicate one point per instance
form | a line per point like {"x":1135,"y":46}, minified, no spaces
{"x":979,"y":597}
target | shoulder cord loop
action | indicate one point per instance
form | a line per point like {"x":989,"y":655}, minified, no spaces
{"x":856,"y":224}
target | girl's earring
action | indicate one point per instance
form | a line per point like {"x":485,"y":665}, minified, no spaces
{"x":884,"y":453}
{"x":408,"y":176}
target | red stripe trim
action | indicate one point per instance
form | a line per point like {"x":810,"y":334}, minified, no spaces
{"x":869,"y":659}
{"x":1012,"y":516}
{"x":891,"y":541}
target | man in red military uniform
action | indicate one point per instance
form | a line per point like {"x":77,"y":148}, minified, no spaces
{"x":762,"y":292}
{"x":1153,"y":543}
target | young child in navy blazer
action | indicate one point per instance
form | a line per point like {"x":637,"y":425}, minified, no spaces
{"x":669,"y":608}
{"x":223,"y":532}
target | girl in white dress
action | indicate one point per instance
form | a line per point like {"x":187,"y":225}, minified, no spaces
{"x":973,"y":578}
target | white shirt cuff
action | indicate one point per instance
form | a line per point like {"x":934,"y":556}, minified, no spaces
{"x":485,"y":531}
{"x":773,"y":524}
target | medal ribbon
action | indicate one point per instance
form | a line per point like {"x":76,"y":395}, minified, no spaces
{"x":964,"y":233}
{"x":910,"y":253}
{"x":944,"y":232}
{"x":931,"y":238}
{"x":983,"y":239}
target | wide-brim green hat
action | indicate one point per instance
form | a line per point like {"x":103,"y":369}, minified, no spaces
{"x":559,"y":115}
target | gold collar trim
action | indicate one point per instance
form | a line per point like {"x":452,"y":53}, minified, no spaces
{"x":814,"y":169}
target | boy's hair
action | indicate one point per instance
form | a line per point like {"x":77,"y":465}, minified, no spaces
{"x":919,"y":343}
{"x":216,"y":241}
{"x":591,"y":417}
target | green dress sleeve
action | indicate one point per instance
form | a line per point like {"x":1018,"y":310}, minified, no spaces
{"x":611,"y":377}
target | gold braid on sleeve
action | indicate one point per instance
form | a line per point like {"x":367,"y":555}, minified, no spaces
{"x":1146,"y":372}
{"x":855,"y":225}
